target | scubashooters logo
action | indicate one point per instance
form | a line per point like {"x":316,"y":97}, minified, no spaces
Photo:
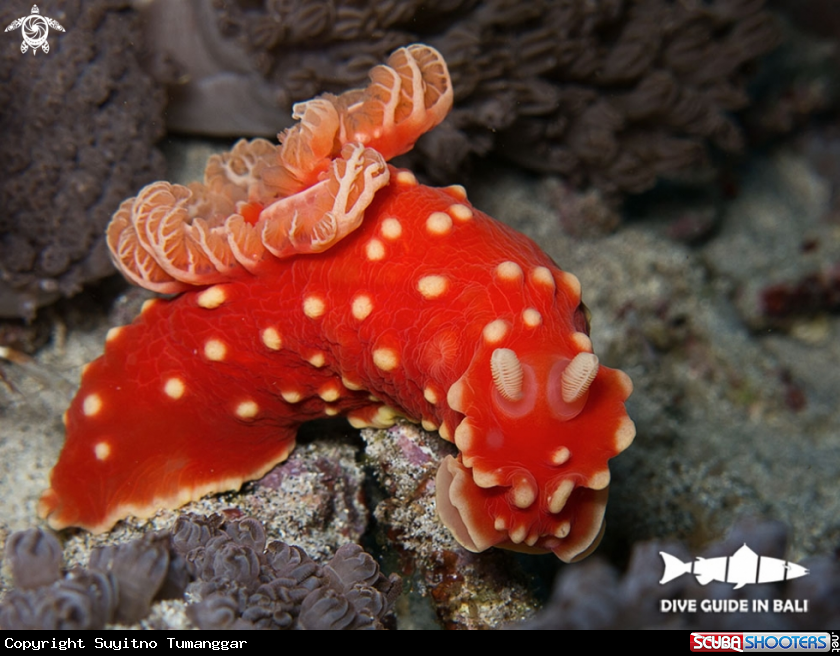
{"x":744,"y":567}
{"x":787,"y":642}
{"x":34,"y":29}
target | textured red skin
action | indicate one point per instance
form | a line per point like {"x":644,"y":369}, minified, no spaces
{"x":165,"y":451}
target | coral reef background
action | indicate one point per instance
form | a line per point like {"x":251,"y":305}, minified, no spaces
{"x":614,"y":93}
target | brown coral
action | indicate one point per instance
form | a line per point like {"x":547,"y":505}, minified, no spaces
{"x":614,"y":93}
{"x":78,"y":126}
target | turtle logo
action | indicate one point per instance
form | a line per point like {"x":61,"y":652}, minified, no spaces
{"x":34,"y":29}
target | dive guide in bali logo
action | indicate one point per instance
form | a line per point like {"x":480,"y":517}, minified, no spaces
{"x":744,"y":567}
{"x":34,"y":29}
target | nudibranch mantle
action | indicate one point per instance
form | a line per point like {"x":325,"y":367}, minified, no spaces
{"x":317,"y":280}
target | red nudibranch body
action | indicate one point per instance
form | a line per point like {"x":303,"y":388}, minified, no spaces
{"x":317,"y":280}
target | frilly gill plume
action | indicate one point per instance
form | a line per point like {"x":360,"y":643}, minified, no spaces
{"x":302,"y":196}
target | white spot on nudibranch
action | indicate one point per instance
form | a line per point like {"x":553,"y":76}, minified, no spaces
{"x":386,"y":359}
{"x":102,"y":450}
{"x":531,"y":317}
{"x":487,"y":478}
{"x":212,"y":297}
{"x":291,"y":396}
{"x":174,"y":388}
{"x":457,"y":190}
{"x":460,"y":212}
{"x":626,"y":384}
{"x":509,"y":271}
{"x":271,"y":338}
{"x":247,"y":410}
{"x":542,"y":276}
{"x":113,"y":333}
{"x":317,"y":360}
{"x":455,"y":396}
{"x":625,"y":433}
{"x":430,"y":395}
{"x":599,"y":480}
{"x":518,"y":534}
{"x":349,"y":384}
{"x":92,"y":405}
{"x":572,"y":283}
{"x":464,"y":435}
{"x":563,"y":529}
{"x":215,"y":350}
{"x":432,"y":286}
{"x":391,"y":228}
{"x":362,"y":307}
{"x":560,"y":495}
{"x":148,"y":305}
{"x":582,"y":341}
{"x":374,"y":250}
{"x":428,"y":425}
{"x":385,"y":417}
{"x":523,"y":496}
{"x":495,"y":331}
{"x":406,"y":178}
{"x":357,"y":422}
{"x":329,"y":392}
{"x":313,"y":306}
{"x":438,"y":223}
{"x":560,"y":456}
{"x":524,"y":492}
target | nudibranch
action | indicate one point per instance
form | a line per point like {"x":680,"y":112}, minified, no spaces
{"x":314,"y":280}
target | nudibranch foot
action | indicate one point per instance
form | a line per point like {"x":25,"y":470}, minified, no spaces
{"x":187,"y":401}
{"x":570,"y":536}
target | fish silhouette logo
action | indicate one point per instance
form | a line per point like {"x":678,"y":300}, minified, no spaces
{"x":744,"y":567}
{"x":34,"y":29}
